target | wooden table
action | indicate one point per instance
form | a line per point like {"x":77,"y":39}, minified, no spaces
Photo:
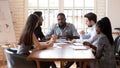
{"x":61,"y":52}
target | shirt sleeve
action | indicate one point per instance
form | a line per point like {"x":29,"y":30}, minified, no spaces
{"x":100,"y":47}
{"x":51,"y":30}
{"x":91,"y":36}
{"x":74,"y":31}
{"x":38,"y":33}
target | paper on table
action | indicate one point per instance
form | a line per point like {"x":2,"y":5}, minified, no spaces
{"x":62,"y":41}
{"x":79,"y":47}
{"x":67,"y":42}
{"x":78,"y":44}
{"x":56,"y":46}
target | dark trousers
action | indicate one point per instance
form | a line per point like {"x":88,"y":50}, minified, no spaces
{"x":45,"y":64}
{"x":68,"y":64}
{"x":53,"y":65}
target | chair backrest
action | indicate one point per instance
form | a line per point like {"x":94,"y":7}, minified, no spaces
{"x":117,"y":45}
{"x":17,"y":61}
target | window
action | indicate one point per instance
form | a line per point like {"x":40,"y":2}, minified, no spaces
{"x":74,"y":11}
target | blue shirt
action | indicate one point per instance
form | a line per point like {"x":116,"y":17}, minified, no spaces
{"x":56,"y":30}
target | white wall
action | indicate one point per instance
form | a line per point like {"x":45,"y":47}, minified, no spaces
{"x":113,"y":12}
{"x":7,"y":32}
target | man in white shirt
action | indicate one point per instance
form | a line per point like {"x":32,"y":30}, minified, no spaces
{"x":89,"y":36}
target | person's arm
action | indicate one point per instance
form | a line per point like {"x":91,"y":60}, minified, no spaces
{"x":92,"y":35}
{"x":71,"y":37}
{"x":50,"y":32}
{"x":82,"y":32}
{"x":100,"y":47}
{"x":75,"y":34}
{"x":42,"y":45}
{"x":47,"y":37}
{"x":75,"y":37}
{"x":39,"y":34}
{"x":90,"y":45}
{"x":85,"y":36}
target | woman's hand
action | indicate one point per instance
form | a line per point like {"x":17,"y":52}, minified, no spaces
{"x":90,"y":45}
{"x":52,"y":40}
{"x":54,"y":37}
{"x":87,"y":43}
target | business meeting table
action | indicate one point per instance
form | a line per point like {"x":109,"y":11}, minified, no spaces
{"x":63,"y":52}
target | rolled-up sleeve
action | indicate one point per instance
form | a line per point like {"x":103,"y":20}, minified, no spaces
{"x":51,"y":30}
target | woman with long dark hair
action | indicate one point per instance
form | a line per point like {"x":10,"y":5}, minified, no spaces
{"x":104,"y":52}
{"x":29,"y":41}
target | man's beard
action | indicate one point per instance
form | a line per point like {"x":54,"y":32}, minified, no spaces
{"x":62,"y":25}
{"x":89,"y":25}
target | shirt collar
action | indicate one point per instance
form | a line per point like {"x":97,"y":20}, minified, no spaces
{"x":94,"y":26}
{"x":58,"y":25}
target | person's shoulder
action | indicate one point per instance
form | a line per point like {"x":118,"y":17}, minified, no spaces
{"x":103,"y":37}
{"x":69,"y":24}
{"x":54,"y":25}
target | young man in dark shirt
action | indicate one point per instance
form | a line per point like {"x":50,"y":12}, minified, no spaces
{"x":38,"y":31}
{"x":39,"y":34}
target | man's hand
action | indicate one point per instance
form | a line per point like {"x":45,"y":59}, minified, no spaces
{"x":54,"y":37}
{"x":67,"y":35}
{"x":82,"y":32}
{"x":74,"y":40}
{"x":47,"y":37}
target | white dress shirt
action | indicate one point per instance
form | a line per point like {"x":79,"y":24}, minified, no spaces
{"x":91,"y":36}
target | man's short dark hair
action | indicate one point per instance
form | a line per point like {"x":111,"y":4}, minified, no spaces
{"x":39,"y":13}
{"x":91,"y":16}
{"x":61,"y":14}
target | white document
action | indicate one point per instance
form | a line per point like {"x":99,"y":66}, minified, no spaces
{"x":62,"y":41}
{"x":78,"y":44}
{"x":79,"y":47}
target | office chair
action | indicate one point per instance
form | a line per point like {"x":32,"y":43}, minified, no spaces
{"x":17,"y":61}
{"x":117,"y":47}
